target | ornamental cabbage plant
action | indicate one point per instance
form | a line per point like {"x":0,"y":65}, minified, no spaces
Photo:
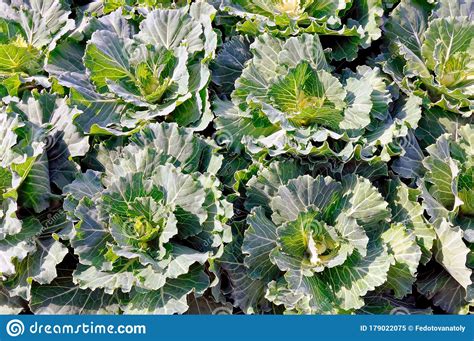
{"x":287,"y":100}
{"x":39,"y":142}
{"x":432,"y":54}
{"x":350,"y":24}
{"x":29,"y":30}
{"x":147,"y":224}
{"x":246,"y":157}
{"x":129,"y":73}
{"x":448,"y":196}
{"x":318,"y":245}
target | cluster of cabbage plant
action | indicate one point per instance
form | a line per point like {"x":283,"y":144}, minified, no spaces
{"x":261,"y":157}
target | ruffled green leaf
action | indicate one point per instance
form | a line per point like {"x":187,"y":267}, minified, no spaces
{"x":359,"y":275}
{"x":10,"y":305}
{"x":403,"y":246}
{"x":62,"y":297}
{"x":451,"y":252}
{"x":437,"y":284}
{"x":260,"y":240}
{"x":406,"y":210}
{"x":171,"y":298}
